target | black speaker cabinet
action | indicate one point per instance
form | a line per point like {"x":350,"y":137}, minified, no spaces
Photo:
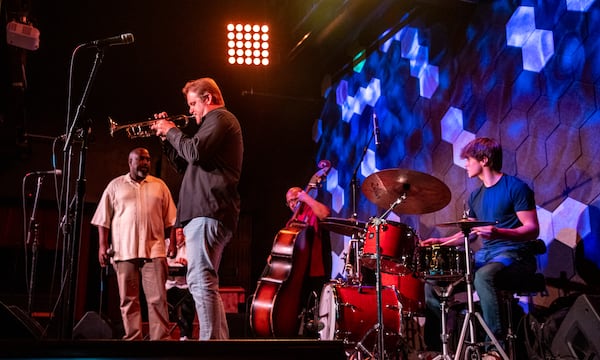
{"x":16,"y":324}
{"x":92,"y":327}
{"x":577,"y":336}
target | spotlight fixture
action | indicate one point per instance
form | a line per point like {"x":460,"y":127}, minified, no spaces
{"x":248,"y":44}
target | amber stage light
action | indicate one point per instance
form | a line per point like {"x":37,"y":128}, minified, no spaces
{"x":248,"y":44}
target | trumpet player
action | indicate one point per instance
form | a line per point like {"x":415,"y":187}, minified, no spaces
{"x":209,"y":202}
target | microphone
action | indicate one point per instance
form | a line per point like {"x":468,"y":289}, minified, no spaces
{"x":376,"y":129}
{"x":110,"y":252}
{"x":48,"y":172}
{"x":122,"y":39}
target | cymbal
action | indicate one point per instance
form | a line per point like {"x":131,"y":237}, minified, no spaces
{"x":466,"y":223}
{"x":424,"y":193}
{"x":346,"y":227}
{"x":565,"y":284}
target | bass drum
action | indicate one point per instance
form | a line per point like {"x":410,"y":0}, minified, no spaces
{"x":349,"y":313}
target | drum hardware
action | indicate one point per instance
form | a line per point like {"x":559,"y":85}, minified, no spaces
{"x":355,"y":274}
{"x":444,"y":293}
{"x":351,"y":252}
{"x":379,"y":327}
{"x":471,"y":349}
{"x":360,"y":348}
{"x":311,"y":311}
{"x":355,"y":229}
{"x":403,"y":192}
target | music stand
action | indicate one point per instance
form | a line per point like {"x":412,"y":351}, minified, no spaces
{"x":466,"y":225}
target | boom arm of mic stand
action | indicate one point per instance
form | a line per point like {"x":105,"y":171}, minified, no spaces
{"x":84,"y":97}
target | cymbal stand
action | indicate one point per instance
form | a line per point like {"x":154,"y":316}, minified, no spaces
{"x":378,"y":222}
{"x":472,"y":315}
{"x":444,"y":293}
{"x":352,"y":268}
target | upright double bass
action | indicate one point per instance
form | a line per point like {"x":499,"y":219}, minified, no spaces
{"x":276,"y":303}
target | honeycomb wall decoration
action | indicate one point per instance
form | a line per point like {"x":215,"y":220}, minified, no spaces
{"x":527,"y":75}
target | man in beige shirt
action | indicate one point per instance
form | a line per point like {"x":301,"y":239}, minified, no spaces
{"x":139,"y":209}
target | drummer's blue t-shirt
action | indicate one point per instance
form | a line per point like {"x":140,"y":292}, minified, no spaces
{"x":499,"y":204}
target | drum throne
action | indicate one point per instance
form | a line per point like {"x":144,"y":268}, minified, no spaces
{"x":526,"y":285}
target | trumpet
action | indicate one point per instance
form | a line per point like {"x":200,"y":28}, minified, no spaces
{"x":142,"y":129}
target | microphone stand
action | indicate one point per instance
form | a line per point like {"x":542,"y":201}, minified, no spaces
{"x":33,"y":224}
{"x":354,"y":181}
{"x":378,"y":222}
{"x":74,"y":235}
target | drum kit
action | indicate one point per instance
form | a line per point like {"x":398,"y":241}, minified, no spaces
{"x":347,"y":308}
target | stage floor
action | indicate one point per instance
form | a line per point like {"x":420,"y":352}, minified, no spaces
{"x":215,"y":349}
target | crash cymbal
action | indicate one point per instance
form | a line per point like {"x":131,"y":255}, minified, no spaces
{"x":424,"y":193}
{"x":346,"y":227}
{"x":466,"y":223}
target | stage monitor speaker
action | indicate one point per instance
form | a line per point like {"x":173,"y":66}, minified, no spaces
{"x":92,"y":327}
{"x":576,"y":336}
{"x":16,"y":324}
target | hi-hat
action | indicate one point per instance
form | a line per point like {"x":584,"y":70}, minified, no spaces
{"x":466,"y":223}
{"x":346,"y":227}
{"x":424,"y":193}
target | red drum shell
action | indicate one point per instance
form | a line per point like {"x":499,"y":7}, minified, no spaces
{"x":349,"y":312}
{"x":397,"y":242}
{"x":411,"y":290}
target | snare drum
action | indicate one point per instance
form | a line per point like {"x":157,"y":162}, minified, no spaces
{"x":440,"y":262}
{"x":397,"y":242}
{"x":349,"y":312}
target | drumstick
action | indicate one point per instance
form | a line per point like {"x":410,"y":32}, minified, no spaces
{"x":446,"y":242}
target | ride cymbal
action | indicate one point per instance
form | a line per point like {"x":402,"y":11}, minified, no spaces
{"x":422,"y":193}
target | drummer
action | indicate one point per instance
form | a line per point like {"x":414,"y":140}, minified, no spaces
{"x":319,"y":264}
{"x":508,"y":203}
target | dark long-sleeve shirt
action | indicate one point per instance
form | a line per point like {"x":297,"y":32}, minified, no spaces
{"x":211,"y":161}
